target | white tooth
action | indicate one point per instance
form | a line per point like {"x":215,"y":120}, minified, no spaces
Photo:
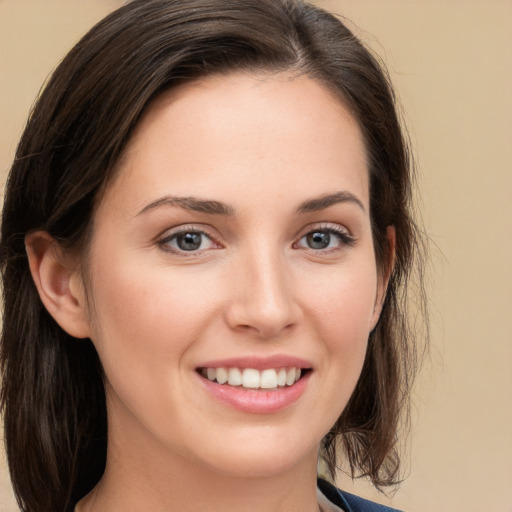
{"x":297,"y":375}
{"x":211,"y":373}
{"x":268,"y":379}
{"x":290,"y":376}
{"x":281,"y":377}
{"x":234,"y":377}
{"x":251,"y":378}
{"x":222,"y":375}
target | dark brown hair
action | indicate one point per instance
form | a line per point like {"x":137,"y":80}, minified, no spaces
{"x":53,"y":398}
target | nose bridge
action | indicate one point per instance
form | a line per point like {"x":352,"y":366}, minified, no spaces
{"x":265,"y":300}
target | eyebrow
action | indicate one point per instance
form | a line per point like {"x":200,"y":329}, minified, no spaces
{"x":191,"y":203}
{"x":212,"y":207}
{"x":323,"y":202}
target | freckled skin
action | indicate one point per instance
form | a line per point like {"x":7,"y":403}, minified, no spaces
{"x":263,"y":146}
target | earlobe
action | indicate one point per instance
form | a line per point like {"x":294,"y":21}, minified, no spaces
{"x":58,"y":283}
{"x":384,"y":275}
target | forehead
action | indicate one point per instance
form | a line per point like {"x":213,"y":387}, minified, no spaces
{"x":221,"y":133}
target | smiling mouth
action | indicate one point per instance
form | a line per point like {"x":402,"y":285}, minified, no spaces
{"x":250,"y":378}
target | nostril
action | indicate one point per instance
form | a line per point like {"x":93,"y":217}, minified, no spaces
{"x":263,"y":303}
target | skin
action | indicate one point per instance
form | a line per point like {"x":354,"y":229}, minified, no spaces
{"x":263,"y":146}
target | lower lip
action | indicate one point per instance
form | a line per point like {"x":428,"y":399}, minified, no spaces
{"x":257,"y":401}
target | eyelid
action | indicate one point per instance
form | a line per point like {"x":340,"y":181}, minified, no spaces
{"x":344,"y":234}
{"x":169,"y":234}
{"x":324,"y":226}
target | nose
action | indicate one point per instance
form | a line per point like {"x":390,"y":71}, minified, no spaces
{"x":263,"y":295}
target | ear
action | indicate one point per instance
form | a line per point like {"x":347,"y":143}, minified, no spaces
{"x":383,"y":275}
{"x":59,"y":284}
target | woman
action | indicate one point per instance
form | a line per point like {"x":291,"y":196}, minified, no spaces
{"x":206,"y":238}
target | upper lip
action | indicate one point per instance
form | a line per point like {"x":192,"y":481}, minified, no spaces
{"x":259,"y":362}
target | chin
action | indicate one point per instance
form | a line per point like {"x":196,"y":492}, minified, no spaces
{"x":260,"y":457}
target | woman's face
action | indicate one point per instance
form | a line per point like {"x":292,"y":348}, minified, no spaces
{"x":234,"y":243}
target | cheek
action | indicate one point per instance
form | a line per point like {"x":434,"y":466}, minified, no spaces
{"x":147,"y":311}
{"x":341,"y":308}
{"x":343,"y":302}
{"x":146,"y":322}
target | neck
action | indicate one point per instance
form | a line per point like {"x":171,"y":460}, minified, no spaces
{"x":144,"y":477}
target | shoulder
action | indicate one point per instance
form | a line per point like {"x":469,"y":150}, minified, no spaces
{"x":349,"y":502}
{"x":358,"y":504}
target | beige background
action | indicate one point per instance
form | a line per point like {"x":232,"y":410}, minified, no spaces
{"x":451,"y":62}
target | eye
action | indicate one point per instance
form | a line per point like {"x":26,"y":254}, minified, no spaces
{"x":187,"y":240}
{"x":325,"y":239}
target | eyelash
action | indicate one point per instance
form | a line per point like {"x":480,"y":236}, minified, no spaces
{"x":164,"y":242}
{"x":343,"y":236}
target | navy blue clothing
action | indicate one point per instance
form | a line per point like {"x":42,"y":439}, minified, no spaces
{"x":348,"y":502}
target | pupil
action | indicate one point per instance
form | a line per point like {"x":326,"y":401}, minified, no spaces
{"x":189,"y":241}
{"x":318,"y":240}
